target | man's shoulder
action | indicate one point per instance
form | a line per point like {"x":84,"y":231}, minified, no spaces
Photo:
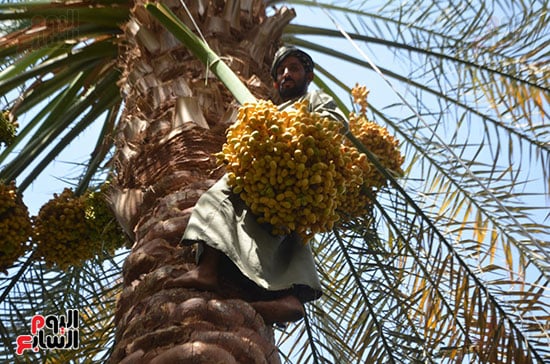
{"x":324,"y":104}
{"x":314,"y":98}
{"x":320,"y":102}
{"x":319,"y":97}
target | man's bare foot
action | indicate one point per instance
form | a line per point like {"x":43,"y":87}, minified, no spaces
{"x":284,"y":309}
{"x":195,"y":278}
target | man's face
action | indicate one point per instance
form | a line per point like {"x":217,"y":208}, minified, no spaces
{"x":292,"y":78}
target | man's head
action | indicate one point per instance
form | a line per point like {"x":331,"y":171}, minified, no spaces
{"x":292,"y":71}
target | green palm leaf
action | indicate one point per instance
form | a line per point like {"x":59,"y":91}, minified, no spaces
{"x":68,"y":52}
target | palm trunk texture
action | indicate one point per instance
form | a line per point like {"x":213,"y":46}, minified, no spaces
{"x":175,"y":118}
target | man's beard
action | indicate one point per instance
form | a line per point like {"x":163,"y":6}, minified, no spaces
{"x":299,"y":89}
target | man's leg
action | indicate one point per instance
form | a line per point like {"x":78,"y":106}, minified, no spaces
{"x":284,"y":309}
{"x":205,"y":277}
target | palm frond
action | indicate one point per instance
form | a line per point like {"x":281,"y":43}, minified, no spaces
{"x":63,"y":58}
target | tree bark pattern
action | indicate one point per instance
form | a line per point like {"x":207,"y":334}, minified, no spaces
{"x":163,"y":164}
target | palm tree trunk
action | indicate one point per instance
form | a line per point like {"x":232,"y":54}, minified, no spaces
{"x":174,"y":120}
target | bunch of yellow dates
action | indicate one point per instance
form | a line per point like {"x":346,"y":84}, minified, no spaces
{"x":15,"y":225}
{"x":70,"y":229}
{"x":295,"y":171}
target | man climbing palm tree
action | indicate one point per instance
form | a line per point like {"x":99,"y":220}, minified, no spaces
{"x":223,"y":226}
